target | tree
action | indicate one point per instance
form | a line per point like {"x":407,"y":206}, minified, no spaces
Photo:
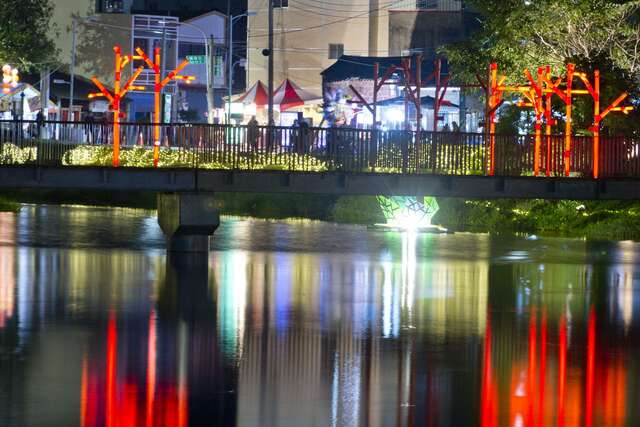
{"x":521,"y":34}
{"x":526,"y":34}
{"x":26,"y":39}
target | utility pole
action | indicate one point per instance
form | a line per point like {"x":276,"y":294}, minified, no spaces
{"x":72,"y":65}
{"x":230,"y":74}
{"x":163,"y":68}
{"x":270,"y":119}
{"x":229,"y":60}
{"x":210,"y":77}
{"x":45,"y":84}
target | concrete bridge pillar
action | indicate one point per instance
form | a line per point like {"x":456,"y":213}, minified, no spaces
{"x":188,"y":220}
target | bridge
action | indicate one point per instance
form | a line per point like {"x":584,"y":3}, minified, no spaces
{"x":200,"y":160}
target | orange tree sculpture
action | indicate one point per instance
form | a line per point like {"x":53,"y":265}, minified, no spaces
{"x":159,"y":84}
{"x":538,"y":95}
{"x":115,"y":98}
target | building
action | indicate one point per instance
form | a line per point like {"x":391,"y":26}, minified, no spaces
{"x":193,"y":103}
{"x":101,"y":24}
{"x":186,"y":40}
{"x":310,"y":36}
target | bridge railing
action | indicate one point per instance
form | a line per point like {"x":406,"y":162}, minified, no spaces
{"x":310,"y":149}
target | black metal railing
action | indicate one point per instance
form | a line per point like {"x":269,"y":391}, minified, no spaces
{"x":310,"y":149}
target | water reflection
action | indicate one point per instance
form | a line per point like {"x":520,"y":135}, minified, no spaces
{"x":406,"y":330}
{"x":7,"y":274}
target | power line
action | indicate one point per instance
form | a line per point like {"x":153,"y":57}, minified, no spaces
{"x":315,"y":13}
{"x":314,"y":27}
{"x":320,"y":5}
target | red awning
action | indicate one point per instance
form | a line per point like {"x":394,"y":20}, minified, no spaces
{"x":257,"y":94}
{"x":289,"y":95}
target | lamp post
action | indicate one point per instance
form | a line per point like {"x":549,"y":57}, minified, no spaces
{"x":232,"y":20}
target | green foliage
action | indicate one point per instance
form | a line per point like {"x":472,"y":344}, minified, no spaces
{"x":512,"y":121}
{"x":594,"y":219}
{"x":26,"y":37}
{"x":8,"y":205}
{"x":141,"y":157}
{"x":358,"y":210}
{"x":277,"y":205}
{"x":11,"y":154}
{"x":137,"y":157}
{"x":126,"y":199}
{"x":521,"y":35}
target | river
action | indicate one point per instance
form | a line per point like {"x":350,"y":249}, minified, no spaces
{"x":301,"y":323}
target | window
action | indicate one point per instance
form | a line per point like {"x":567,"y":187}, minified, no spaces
{"x":217,"y":66}
{"x":279,"y":4}
{"x":188,"y":48}
{"x":336,"y":50}
{"x":110,"y":6}
{"x":442,"y":5}
{"x":426,"y":4}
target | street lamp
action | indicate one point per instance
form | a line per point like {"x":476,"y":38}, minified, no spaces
{"x":72,"y":66}
{"x":232,"y":20}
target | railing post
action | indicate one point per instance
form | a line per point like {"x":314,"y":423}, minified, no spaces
{"x":435,"y":140}
{"x":404,"y":147}
{"x":373,"y":149}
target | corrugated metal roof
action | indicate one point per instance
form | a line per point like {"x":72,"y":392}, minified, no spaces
{"x":361,"y":67}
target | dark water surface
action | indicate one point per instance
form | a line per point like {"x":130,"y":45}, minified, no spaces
{"x":311,"y":324}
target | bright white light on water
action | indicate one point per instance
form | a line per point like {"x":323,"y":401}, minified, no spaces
{"x":409,"y":221}
{"x":408,"y":213}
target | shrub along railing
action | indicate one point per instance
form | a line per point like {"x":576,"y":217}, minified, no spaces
{"x":308,"y":149}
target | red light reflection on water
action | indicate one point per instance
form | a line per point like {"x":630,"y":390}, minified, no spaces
{"x":488,"y":399}
{"x":562,"y":367}
{"x":588,"y":388}
{"x":108,"y":399}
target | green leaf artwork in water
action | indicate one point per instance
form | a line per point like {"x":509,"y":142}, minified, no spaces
{"x":408,"y":212}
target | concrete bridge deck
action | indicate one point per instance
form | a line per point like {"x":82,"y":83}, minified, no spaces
{"x":337,"y":183}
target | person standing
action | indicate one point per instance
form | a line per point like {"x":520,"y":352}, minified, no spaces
{"x":253,"y":133}
{"x":304,"y":134}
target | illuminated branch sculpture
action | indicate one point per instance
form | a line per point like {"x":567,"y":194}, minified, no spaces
{"x":416,"y":97}
{"x":594,"y":91}
{"x":567,"y":97}
{"x":442,"y":85}
{"x":412,"y":77}
{"x":538,"y":95}
{"x":548,"y":111}
{"x":535,"y":96}
{"x":159,"y":84}
{"x":118,"y":94}
{"x":494,"y":101}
